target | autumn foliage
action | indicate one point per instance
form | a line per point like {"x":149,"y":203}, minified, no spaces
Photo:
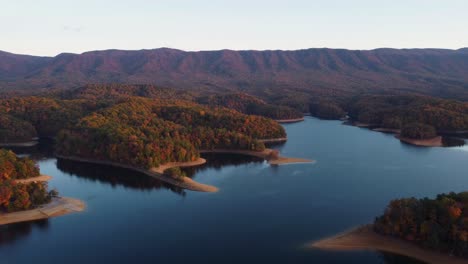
{"x":15,"y":196}
{"x":147,"y":133}
{"x":440,"y":223}
{"x":397,"y":111}
{"x":250,"y":105}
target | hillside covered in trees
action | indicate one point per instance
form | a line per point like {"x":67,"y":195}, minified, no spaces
{"x":113,"y":123}
{"x":326,"y":109}
{"x":395,"y":111}
{"x":17,"y":196}
{"x":418,"y":117}
{"x":434,"y":72}
{"x":440,"y":224}
{"x":147,"y":133}
{"x":251,"y":105}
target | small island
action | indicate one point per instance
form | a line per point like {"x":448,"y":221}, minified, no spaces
{"x":431,"y":230}
{"x":24,"y":195}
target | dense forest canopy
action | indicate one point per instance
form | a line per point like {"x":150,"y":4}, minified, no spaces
{"x":115,"y":123}
{"x":418,"y":131}
{"x":115,"y":92}
{"x":46,"y":115}
{"x":251,"y":105}
{"x":107,"y":94}
{"x":15,"y":130}
{"x":326,"y":109}
{"x":440,"y":224}
{"x":16,"y":196}
{"x":147,"y":133}
{"x":395,"y":111}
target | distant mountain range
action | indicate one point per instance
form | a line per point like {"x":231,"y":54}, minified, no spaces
{"x":436,"y":72}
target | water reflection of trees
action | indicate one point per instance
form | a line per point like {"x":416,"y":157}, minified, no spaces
{"x":13,"y":232}
{"x":115,"y":176}
{"x":219,"y":160}
{"x":275,"y":144}
{"x":453,"y":142}
{"x":389,"y":258}
{"x":45,"y":149}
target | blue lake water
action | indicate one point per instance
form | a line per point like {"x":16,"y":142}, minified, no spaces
{"x":262,"y":213}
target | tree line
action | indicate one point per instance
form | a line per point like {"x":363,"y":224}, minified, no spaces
{"x":440,"y":224}
{"x":16,"y":196}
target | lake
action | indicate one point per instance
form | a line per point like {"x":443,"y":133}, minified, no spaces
{"x":262,"y":213}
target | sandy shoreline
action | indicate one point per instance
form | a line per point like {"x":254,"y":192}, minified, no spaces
{"x":294,"y":120}
{"x":364,"y":238}
{"x":363,"y":125}
{"x":432,"y":142}
{"x":185,"y":183}
{"x":162,"y":168}
{"x":19,"y":144}
{"x":273,"y":140}
{"x":266,"y":155}
{"x":57,"y":207}
{"x":387,"y":130}
{"x":42,"y":178}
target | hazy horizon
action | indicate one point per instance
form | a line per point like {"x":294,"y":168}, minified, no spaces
{"x":51,"y":27}
{"x":208,"y":50}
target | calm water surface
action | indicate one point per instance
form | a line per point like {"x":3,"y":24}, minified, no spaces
{"x":262,"y":214}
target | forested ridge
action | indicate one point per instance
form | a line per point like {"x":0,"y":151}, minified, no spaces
{"x":434,"y":72}
{"x":440,"y":224}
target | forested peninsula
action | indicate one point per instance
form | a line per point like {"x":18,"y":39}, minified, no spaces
{"x":416,"y":119}
{"x":431,"y":230}
{"x":142,"y":127}
{"x":24,"y":195}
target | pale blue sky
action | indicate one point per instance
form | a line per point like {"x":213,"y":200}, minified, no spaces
{"x":49,"y":27}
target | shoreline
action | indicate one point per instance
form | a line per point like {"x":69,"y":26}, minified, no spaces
{"x":41,"y":178}
{"x":387,"y":130}
{"x":286,"y":121}
{"x":185,"y":183}
{"x":31,"y":143}
{"x":57,"y":207}
{"x":364,"y":238}
{"x":273,"y":140}
{"x":362,"y":125}
{"x":265,"y":154}
{"x":431,"y":142}
{"x":454,"y":132}
{"x":164,"y":167}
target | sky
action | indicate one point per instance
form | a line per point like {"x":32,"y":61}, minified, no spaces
{"x":50,"y":27}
